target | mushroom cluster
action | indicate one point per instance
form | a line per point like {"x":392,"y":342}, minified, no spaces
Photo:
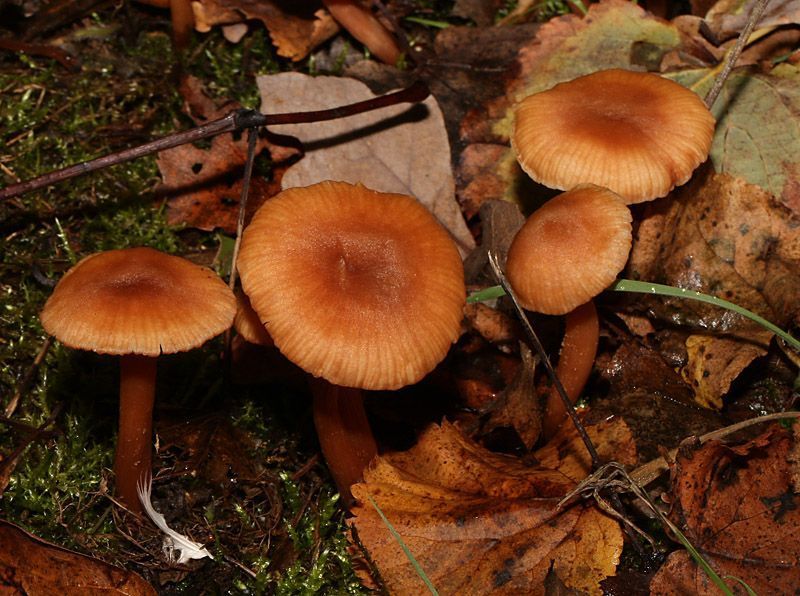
{"x":610,"y":138}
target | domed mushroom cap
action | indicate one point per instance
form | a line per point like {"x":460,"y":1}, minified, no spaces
{"x":138,"y":301}
{"x":635,"y":133}
{"x":362,"y":288}
{"x":569,"y":250}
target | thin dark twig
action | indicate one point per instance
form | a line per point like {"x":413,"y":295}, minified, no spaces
{"x":235,"y":121}
{"x":252,"y":138}
{"x":27,"y":378}
{"x":501,"y":278}
{"x":733,"y":56}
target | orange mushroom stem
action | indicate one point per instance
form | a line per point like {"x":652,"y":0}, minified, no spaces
{"x":363,"y":25}
{"x":575,"y":361}
{"x":137,"y":390}
{"x":344,"y":433}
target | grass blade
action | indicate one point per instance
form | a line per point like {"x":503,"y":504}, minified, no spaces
{"x":417,"y":567}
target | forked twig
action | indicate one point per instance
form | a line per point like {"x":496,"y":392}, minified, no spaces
{"x":237,"y":120}
{"x":501,"y":278}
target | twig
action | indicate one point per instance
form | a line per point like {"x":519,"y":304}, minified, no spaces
{"x":501,"y":278}
{"x":252,"y":137}
{"x":733,"y":55}
{"x":237,"y":120}
{"x":647,"y":473}
{"x":27,"y":378}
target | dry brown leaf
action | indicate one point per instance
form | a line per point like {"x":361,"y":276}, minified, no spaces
{"x":295,"y":30}
{"x":400,"y":149}
{"x":484,"y":523}
{"x":722,"y":236}
{"x":714,"y":363}
{"x":29,"y":565}
{"x":204,"y":186}
{"x":737,"y":508}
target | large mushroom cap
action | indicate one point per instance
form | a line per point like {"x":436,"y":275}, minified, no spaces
{"x":138,"y":301}
{"x":362,"y":288}
{"x":635,"y":133}
{"x":570,"y":250}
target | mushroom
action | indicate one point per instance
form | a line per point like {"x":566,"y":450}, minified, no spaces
{"x":360,"y":288}
{"x":362,"y":24}
{"x":137,"y":303}
{"x":635,"y":133}
{"x":567,"y":252}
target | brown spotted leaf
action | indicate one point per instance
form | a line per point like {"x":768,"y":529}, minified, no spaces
{"x":737,"y":508}
{"x":484,"y":523}
{"x":29,"y":565}
{"x":723,"y":236}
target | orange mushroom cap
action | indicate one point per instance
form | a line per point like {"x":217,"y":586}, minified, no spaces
{"x":247,"y":323}
{"x":635,"y":133}
{"x":570,"y":249}
{"x":138,"y":301}
{"x":362,"y":288}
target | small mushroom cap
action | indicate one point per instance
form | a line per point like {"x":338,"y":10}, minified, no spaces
{"x":361,"y":288}
{"x":138,"y":301}
{"x":570,"y":250}
{"x":635,"y":133}
{"x":247,"y":323}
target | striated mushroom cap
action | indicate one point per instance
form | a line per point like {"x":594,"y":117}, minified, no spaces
{"x":635,"y":133}
{"x":362,"y":288}
{"x":247,"y":323}
{"x":138,"y":301}
{"x":569,"y":250}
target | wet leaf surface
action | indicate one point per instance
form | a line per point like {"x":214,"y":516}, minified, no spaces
{"x":738,"y":508}
{"x":29,"y":565}
{"x":480,"y":522}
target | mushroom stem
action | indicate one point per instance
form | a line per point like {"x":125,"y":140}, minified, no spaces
{"x":362,"y":25}
{"x":344,"y":434}
{"x":137,"y":388}
{"x":575,"y":361}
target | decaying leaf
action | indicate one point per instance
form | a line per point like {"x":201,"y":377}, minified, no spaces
{"x":295,"y":28}
{"x":722,"y":236}
{"x":714,"y":363}
{"x":29,"y":565}
{"x":737,"y":507}
{"x":401,"y":149}
{"x":204,"y":186}
{"x":728,"y":17}
{"x":758,"y":128}
{"x":484,"y":523}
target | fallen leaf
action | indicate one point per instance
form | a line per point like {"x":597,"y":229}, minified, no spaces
{"x":295,"y":29}
{"x":714,"y":363}
{"x":737,"y":508}
{"x":29,"y":565}
{"x":758,"y":129}
{"x":725,"y":237}
{"x":519,"y":406}
{"x":401,"y":149}
{"x":204,"y":186}
{"x":500,"y":222}
{"x":480,"y":522}
{"x":728,"y":17}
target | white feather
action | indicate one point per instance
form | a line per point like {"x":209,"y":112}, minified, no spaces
{"x":173,"y":541}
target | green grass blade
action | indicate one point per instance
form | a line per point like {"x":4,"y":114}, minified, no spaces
{"x":414,"y":563}
{"x":644,"y":287}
